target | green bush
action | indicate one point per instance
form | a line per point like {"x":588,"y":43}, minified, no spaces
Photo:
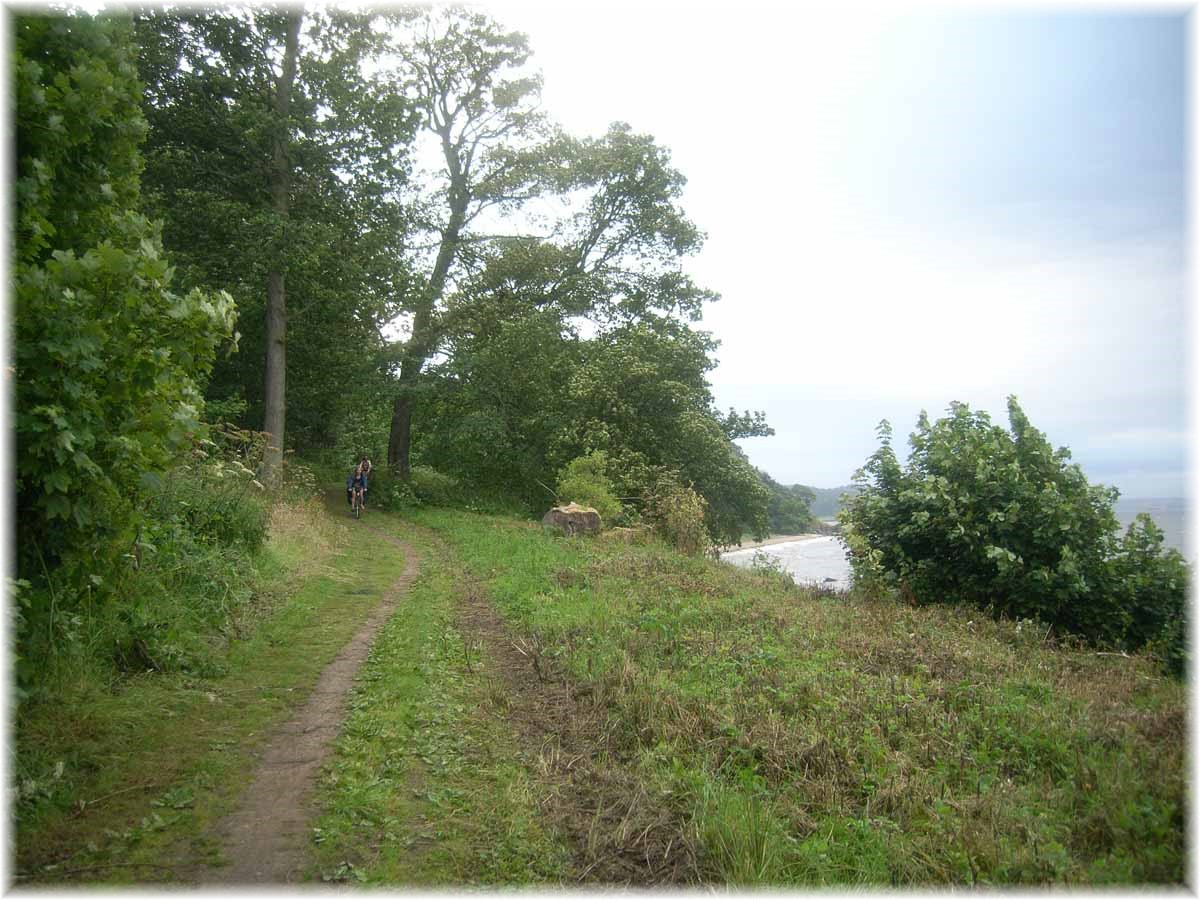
{"x":584,"y":480}
{"x":676,"y":512}
{"x":387,"y":491}
{"x":186,"y":573}
{"x":426,"y":486}
{"x":435,"y":488}
{"x":1151,"y":583}
{"x":185,"y":590}
{"x":108,"y":359}
{"x":1000,"y":519}
{"x":216,"y":496}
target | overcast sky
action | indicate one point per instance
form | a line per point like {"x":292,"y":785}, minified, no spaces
{"x":906,"y":211}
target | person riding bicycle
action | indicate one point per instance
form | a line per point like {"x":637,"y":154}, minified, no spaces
{"x":354,"y":481}
{"x":365,"y":465}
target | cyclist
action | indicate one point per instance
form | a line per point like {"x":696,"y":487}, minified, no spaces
{"x":355,"y":480}
{"x":365,"y":465}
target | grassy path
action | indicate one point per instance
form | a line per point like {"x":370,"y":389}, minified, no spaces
{"x":140,"y":771}
{"x":470,"y":759}
{"x":431,"y":782}
{"x":542,"y":711}
{"x":266,"y":840}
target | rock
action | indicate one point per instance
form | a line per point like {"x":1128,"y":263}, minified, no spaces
{"x":573,"y":519}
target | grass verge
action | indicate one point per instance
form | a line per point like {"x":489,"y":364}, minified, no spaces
{"x":428,"y":785}
{"x":821,"y":740}
{"x":121,"y":779}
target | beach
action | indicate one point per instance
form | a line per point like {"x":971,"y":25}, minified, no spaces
{"x":810,"y":558}
{"x":773,"y":540}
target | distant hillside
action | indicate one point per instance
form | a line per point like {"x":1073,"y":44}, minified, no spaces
{"x":827,"y":501}
{"x":792,"y":508}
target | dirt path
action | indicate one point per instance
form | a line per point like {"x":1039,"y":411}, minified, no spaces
{"x":619,"y":835}
{"x":266,"y":840}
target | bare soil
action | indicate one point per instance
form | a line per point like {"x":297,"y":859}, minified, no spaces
{"x":266,"y":840}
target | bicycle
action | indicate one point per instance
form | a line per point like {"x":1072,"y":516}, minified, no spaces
{"x":356,"y":501}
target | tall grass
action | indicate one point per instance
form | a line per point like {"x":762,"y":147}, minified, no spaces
{"x":822,"y":739}
{"x":202,"y":571}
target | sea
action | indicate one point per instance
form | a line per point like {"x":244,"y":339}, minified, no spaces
{"x":821,"y":560}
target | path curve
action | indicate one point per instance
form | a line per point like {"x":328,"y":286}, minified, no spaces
{"x":265,"y":841}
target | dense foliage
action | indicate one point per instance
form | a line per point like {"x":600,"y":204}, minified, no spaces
{"x":521,"y":399}
{"x":210,"y":77}
{"x":109,"y":359}
{"x":1001,"y":519}
{"x":162,"y":185}
{"x":788,"y":509}
{"x":585,"y":481}
{"x":489,"y":297}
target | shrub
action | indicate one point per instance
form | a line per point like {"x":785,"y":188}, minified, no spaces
{"x":215,"y":495}
{"x":108,"y":359}
{"x":185,"y":573}
{"x":389,"y":492}
{"x":676,"y":512}
{"x":584,"y":480}
{"x":434,"y":487}
{"x":1151,"y":583}
{"x":185,"y":590}
{"x":998,"y":518}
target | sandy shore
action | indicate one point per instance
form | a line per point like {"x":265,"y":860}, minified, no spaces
{"x":777,"y":539}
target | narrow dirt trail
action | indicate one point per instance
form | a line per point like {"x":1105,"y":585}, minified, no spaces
{"x":266,"y":839}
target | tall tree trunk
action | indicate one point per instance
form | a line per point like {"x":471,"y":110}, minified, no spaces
{"x":275,"y":400}
{"x":400,"y":439}
{"x":424,"y":338}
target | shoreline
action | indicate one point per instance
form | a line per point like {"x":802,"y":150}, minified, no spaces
{"x":776,"y":539}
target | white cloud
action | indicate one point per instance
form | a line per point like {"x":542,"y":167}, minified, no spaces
{"x":871,"y":257}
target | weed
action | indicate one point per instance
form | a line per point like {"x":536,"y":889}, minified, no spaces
{"x":844,"y":739}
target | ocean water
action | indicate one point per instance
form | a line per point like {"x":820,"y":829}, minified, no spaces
{"x":1168,"y":513}
{"x":815,"y":560}
{"x":822,"y":560}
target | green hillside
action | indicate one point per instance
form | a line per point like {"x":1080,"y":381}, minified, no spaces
{"x":827,"y":502}
{"x":545,"y":710}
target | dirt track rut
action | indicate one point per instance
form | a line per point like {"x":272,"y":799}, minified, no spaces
{"x":265,"y":841}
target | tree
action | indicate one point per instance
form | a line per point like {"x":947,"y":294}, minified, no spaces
{"x":274,"y":395}
{"x":614,"y":254}
{"x":641,"y":395}
{"x":1001,"y":519}
{"x":109,"y":360}
{"x":494,"y":405}
{"x":788,"y":507}
{"x":585,"y":480}
{"x":259,"y":198}
{"x":636,"y":392}
{"x":456,"y":69}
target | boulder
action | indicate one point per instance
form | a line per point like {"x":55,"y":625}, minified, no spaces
{"x":573,"y":519}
